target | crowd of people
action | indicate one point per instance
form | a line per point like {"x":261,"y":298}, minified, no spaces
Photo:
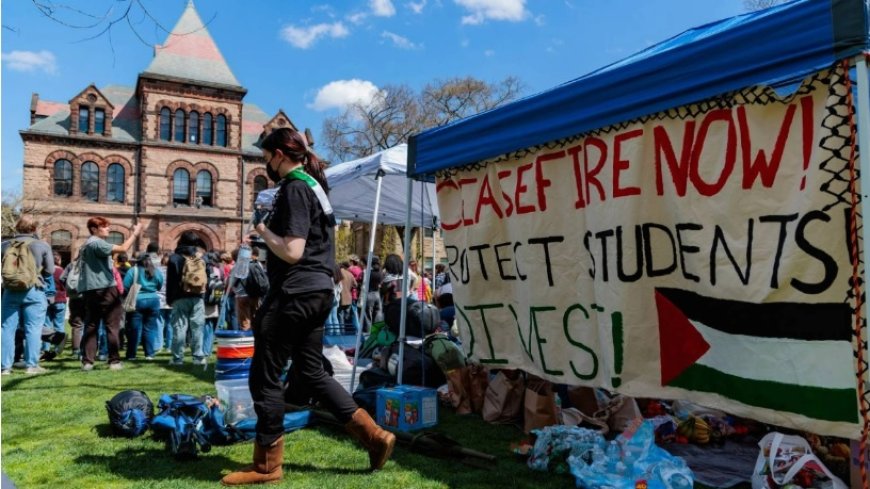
{"x":121,"y":303}
{"x":176,"y":304}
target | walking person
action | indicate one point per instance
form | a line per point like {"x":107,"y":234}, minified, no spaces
{"x":27,"y":263}
{"x":99,"y":286}
{"x":374,"y":306}
{"x":289,"y":324}
{"x":144,"y":322}
{"x":186,"y":281}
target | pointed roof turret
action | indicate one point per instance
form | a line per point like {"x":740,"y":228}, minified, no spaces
{"x":190,"y":53}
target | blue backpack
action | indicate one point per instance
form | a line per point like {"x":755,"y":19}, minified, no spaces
{"x":130,"y":412}
{"x":189,"y":424}
{"x":180,"y":423}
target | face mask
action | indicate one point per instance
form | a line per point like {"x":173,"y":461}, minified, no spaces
{"x":272,"y":174}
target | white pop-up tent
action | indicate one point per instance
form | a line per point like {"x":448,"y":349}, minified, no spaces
{"x":369,"y":189}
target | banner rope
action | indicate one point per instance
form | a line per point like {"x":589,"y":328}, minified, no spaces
{"x":856,"y":274}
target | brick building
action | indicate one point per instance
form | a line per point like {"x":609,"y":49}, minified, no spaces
{"x":176,"y":152}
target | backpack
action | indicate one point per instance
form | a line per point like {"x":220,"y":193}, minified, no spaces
{"x":447,"y":354}
{"x":130,"y":413}
{"x":214,"y":289}
{"x":19,"y":266}
{"x":180,"y":424}
{"x":193,"y":276}
{"x":256,"y":283}
{"x":72,"y":276}
{"x":418,"y":368}
{"x":189,"y":424}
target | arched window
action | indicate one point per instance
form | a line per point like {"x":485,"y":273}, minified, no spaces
{"x":260,"y":184}
{"x":115,"y":238}
{"x":165,"y":124}
{"x":90,"y":181}
{"x":115,"y":183}
{"x":206,"y":129}
{"x":179,"y":126}
{"x":193,"y":128}
{"x":181,"y":187}
{"x":61,"y":238}
{"x":221,"y":133}
{"x":63,"y":182}
{"x":61,"y":242}
{"x":204,"y":189}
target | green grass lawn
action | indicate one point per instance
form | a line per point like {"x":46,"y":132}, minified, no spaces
{"x":55,"y":434}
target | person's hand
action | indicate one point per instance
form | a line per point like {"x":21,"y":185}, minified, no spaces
{"x":246,"y":240}
{"x":137,"y":228}
{"x":259,"y":228}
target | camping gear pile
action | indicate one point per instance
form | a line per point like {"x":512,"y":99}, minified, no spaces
{"x":187,"y":424}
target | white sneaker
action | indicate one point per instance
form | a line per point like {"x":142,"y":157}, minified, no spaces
{"x":87,"y":367}
{"x":200,"y":361}
{"x":116,"y":366}
{"x":7,"y":371}
{"x":35,"y":370}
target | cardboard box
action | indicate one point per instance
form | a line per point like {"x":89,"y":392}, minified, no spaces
{"x":407,"y":407}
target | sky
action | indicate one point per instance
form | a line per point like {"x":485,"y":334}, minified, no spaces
{"x":312,"y":58}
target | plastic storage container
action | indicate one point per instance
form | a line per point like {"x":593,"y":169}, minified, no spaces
{"x":235,"y":399}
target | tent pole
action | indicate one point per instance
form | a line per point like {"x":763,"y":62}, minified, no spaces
{"x":863,"y":90}
{"x":364,"y":291}
{"x":405,"y":281}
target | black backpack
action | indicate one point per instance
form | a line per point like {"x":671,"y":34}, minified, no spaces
{"x":418,"y":368}
{"x":214,"y":288}
{"x":256,"y":283}
{"x":130,"y":413}
{"x":423,"y":318}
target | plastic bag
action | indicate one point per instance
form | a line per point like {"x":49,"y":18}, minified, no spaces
{"x":783,"y":457}
{"x":631,"y":460}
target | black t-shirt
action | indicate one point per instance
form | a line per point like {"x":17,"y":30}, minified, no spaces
{"x":298,"y":213}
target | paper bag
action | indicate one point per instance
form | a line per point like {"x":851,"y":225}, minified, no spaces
{"x":539,"y":405}
{"x":503,"y":402}
{"x":476,"y":381}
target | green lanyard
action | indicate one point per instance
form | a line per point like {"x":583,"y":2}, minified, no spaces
{"x":299,"y":174}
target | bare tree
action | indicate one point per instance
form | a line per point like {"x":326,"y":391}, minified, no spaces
{"x":396,"y":112}
{"x":14,"y":205}
{"x":96,"y":22}
{"x":445,"y":101}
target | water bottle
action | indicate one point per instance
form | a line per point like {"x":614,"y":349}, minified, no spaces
{"x":243,"y":262}
{"x":613,"y":456}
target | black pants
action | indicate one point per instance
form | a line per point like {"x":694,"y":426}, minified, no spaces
{"x":291,"y":327}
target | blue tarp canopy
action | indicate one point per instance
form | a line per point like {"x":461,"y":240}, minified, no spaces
{"x":777,"y":46}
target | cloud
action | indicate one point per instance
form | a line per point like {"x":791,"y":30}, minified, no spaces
{"x":30,"y":61}
{"x":382,"y":8}
{"x":417,"y":7}
{"x":341,"y":93}
{"x":304,"y":37}
{"x":481,"y":10}
{"x":357,"y":18}
{"x":489,"y":53}
{"x":399,"y":41}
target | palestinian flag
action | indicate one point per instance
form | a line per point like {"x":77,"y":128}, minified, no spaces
{"x":785,"y":356}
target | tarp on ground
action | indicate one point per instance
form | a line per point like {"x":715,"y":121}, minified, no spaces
{"x":675,"y":240}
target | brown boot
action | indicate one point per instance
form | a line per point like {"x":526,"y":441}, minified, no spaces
{"x":377,"y":441}
{"x":266,"y":467}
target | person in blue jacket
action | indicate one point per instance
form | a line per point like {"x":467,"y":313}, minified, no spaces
{"x":144,"y":321}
